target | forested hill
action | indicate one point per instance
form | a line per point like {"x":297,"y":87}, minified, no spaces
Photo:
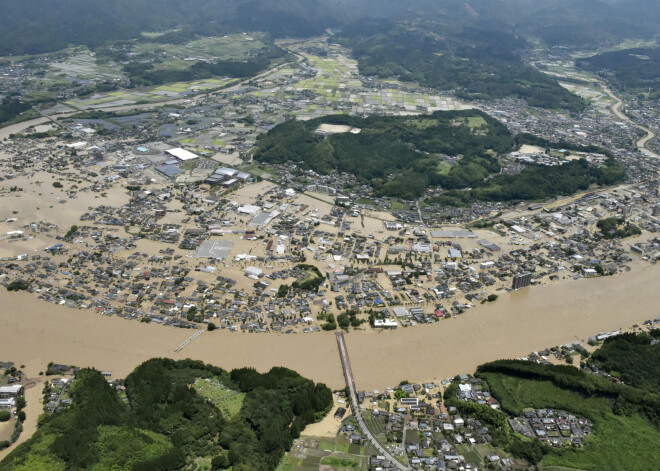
{"x":401,"y":156}
{"x":475,"y":62}
{"x":397,"y":156}
{"x":175,"y":415}
{"x":34,"y":26}
{"x":633,"y":358}
{"x":635,"y":69}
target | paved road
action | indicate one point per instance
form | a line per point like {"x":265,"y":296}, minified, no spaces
{"x":348,"y":376}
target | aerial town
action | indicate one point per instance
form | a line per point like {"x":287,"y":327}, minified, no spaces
{"x":235,"y":249}
{"x":147,"y":204}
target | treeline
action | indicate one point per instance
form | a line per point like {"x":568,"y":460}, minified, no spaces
{"x":33,"y":26}
{"x":168,"y":426}
{"x":479,"y":63}
{"x":635,"y":69}
{"x":631,"y":358}
{"x":540,"y":182}
{"x":397,"y":156}
{"x":537,"y":182}
{"x":145,"y":74}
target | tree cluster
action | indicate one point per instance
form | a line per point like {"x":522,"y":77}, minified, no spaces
{"x":142,"y":74}
{"x":617,"y":228}
{"x":397,"y":156}
{"x":632,"y":358}
{"x":167,"y":425}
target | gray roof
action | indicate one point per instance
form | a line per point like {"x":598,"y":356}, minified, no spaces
{"x":169,"y":170}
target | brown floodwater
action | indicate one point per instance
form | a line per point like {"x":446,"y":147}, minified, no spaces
{"x":35,"y":332}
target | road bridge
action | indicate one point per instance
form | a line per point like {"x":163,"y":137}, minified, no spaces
{"x":348,"y":376}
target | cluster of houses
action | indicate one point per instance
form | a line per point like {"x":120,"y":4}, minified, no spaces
{"x":552,"y":426}
{"x":404,"y":275}
{"x":430,"y":435}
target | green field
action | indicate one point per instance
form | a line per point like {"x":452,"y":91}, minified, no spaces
{"x":471,"y":456}
{"x":227,"y":400}
{"x":397,"y":206}
{"x":337,"y":454}
{"x":617,"y":441}
{"x":341,"y":463}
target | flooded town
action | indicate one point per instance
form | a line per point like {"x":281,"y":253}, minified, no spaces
{"x":138,"y":222}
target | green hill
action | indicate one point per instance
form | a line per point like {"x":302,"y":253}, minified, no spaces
{"x":177,"y":413}
{"x":625,"y":417}
{"x":34,"y":26}
{"x":402,"y":156}
{"x":632,"y":69}
{"x":477,"y":63}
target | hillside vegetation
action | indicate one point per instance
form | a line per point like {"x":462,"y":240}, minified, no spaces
{"x":632,"y":69}
{"x":403,"y":156}
{"x":34,"y":26}
{"x":631,"y":358}
{"x":476,"y":62}
{"x":397,"y":156}
{"x":166,"y":425}
{"x":625,"y":417}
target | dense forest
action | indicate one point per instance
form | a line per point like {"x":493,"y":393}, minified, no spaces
{"x":42,"y":28}
{"x":476,"y":62}
{"x":34,"y":26}
{"x":165,"y":424}
{"x":403,"y":156}
{"x":632,"y":358}
{"x":633,"y":69}
{"x":540,"y":182}
{"x":397,"y":156}
{"x":11,"y":108}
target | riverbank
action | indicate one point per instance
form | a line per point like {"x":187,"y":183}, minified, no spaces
{"x":35,"y":332}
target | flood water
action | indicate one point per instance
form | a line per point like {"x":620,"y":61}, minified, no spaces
{"x":35,"y":332}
